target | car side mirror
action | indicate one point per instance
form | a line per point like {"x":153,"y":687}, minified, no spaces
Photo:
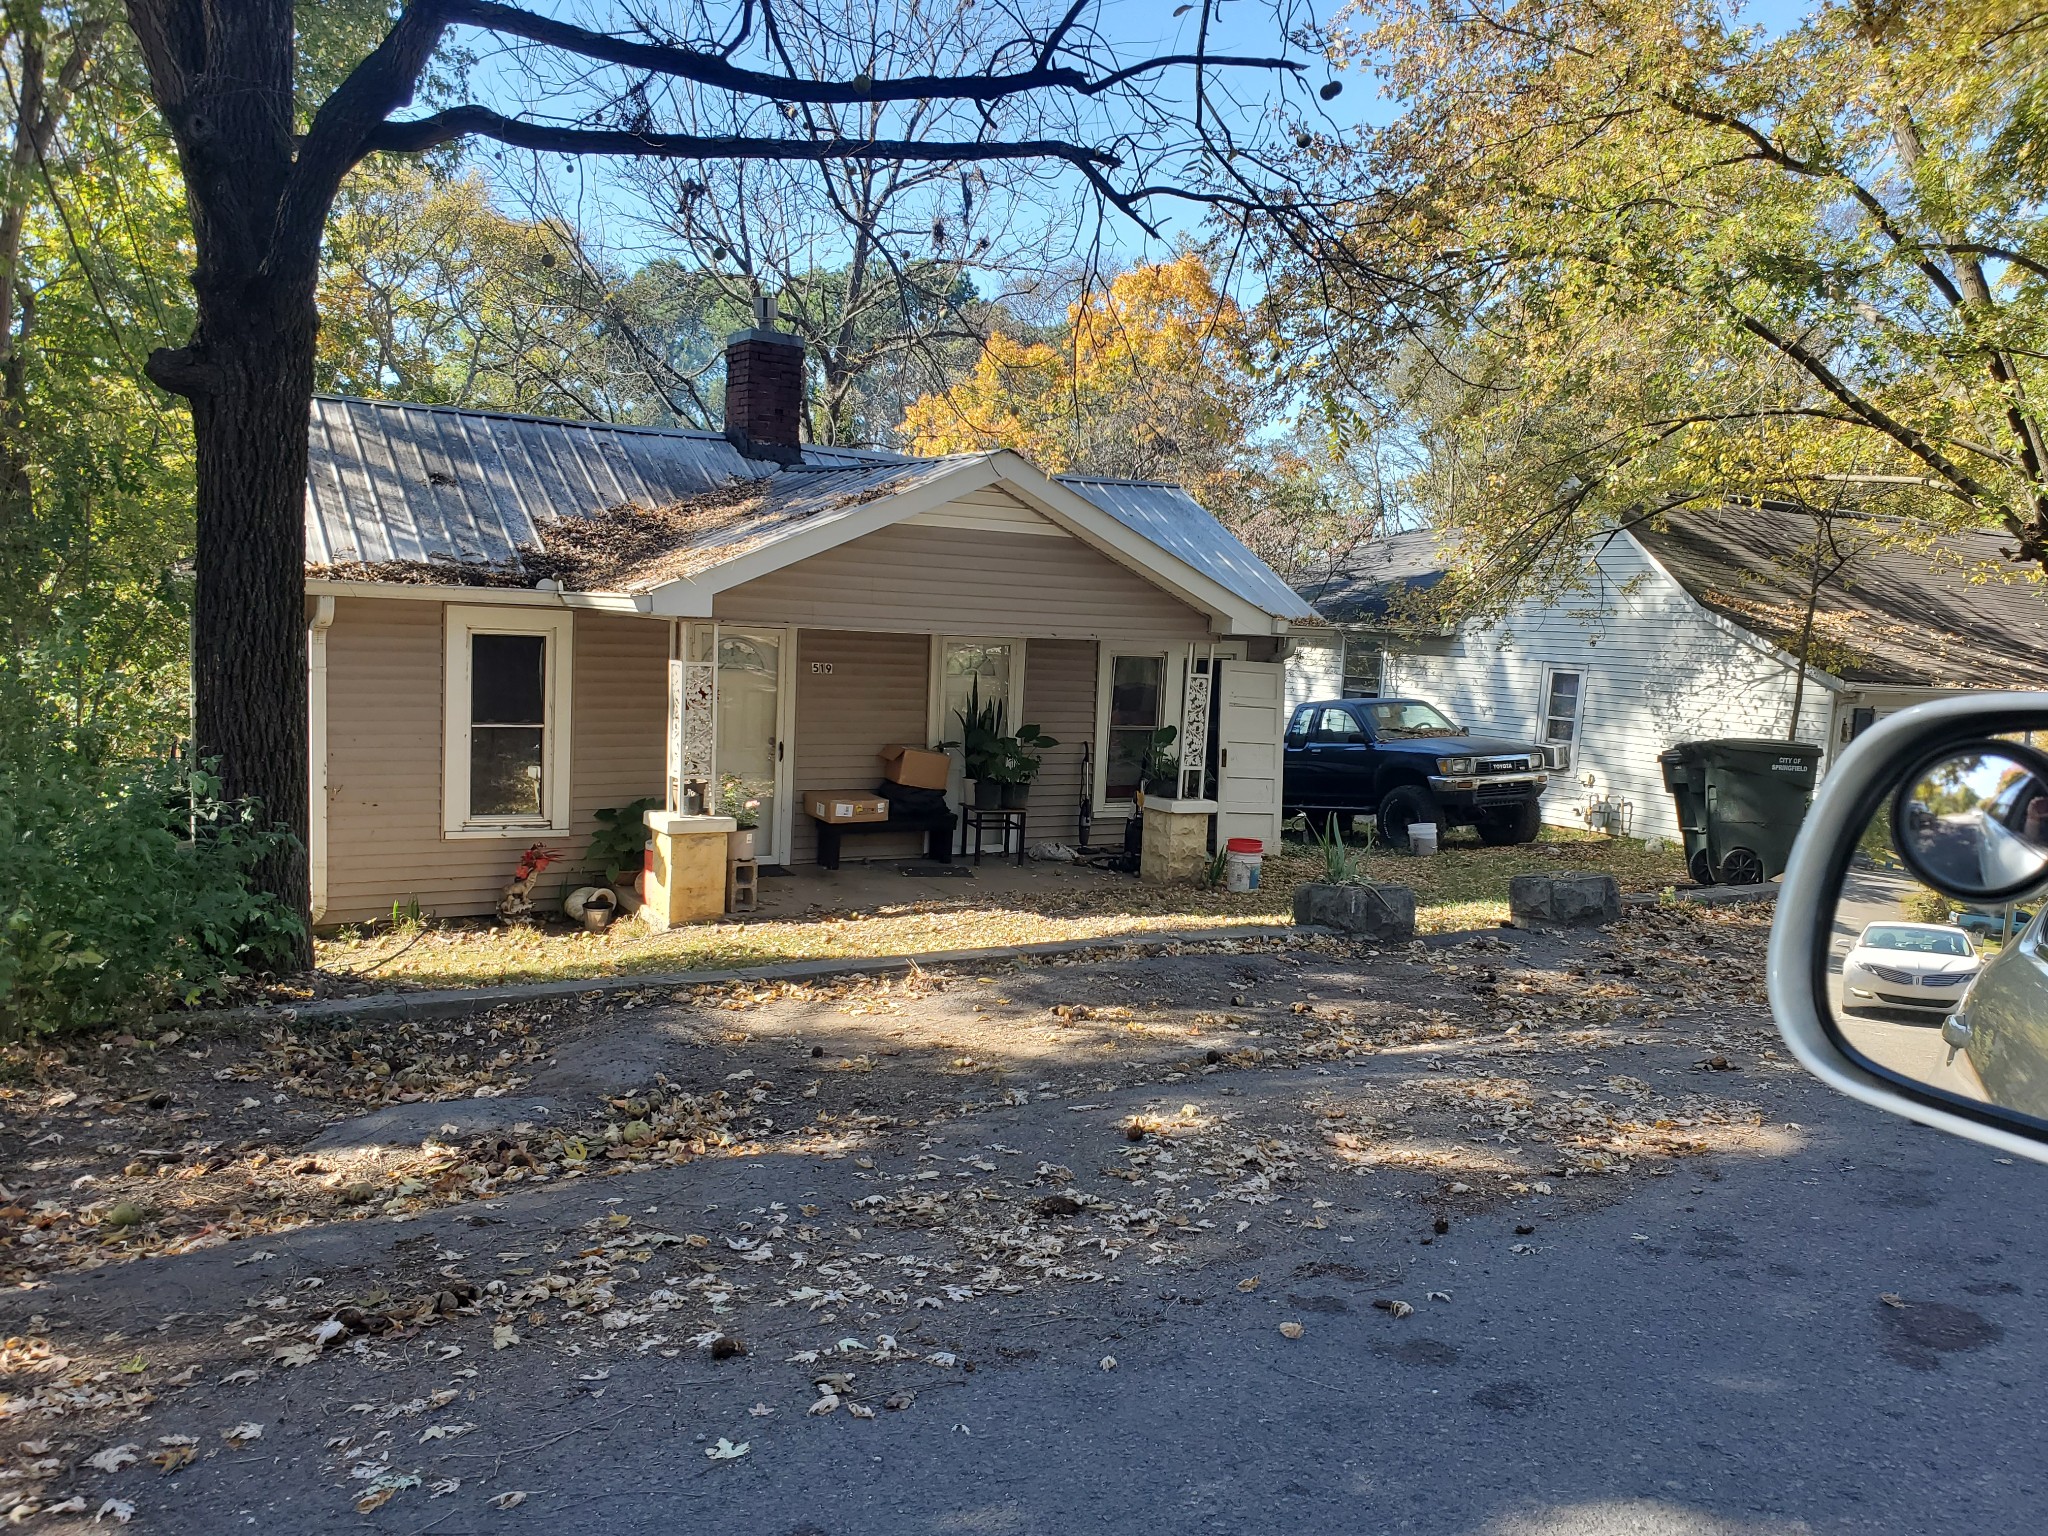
{"x":1908,"y":966}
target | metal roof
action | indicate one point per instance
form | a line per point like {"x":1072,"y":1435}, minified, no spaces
{"x":392,"y":483}
{"x":1178,"y":524}
{"x":395,"y":482}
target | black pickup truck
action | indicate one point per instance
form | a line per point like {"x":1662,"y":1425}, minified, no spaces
{"x":1403,"y":762}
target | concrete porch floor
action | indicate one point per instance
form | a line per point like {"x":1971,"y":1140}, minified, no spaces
{"x":868,"y":884}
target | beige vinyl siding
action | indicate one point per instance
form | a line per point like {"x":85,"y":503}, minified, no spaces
{"x":384,"y":700}
{"x":875,"y":696}
{"x":993,"y":510}
{"x":925,"y":580}
{"x":1059,"y":698}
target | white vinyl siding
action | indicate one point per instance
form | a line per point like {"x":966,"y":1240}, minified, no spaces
{"x":1655,"y":669}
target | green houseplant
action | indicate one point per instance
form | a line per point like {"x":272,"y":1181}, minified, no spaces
{"x":1159,"y":769}
{"x":1017,"y":762}
{"x":982,"y":746}
{"x":621,"y":836}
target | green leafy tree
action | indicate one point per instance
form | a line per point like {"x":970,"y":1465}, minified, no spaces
{"x":1664,"y":258}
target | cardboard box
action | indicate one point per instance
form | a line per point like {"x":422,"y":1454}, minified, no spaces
{"x":845,"y":805}
{"x":918,"y":767}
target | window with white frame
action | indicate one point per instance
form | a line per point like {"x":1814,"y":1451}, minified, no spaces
{"x":506,"y":721}
{"x":1137,"y":709}
{"x":1363,"y":675}
{"x":1563,"y":704}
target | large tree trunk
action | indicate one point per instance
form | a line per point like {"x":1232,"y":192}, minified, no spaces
{"x":248,"y":608}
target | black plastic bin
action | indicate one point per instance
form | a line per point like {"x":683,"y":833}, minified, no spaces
{"x":1740,"y":803}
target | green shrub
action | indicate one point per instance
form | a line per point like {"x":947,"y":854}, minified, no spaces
{"x":122,"y":887}
{"x":1924,"y":906}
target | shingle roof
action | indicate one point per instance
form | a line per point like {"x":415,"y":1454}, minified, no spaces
{"x":442,"y":489}
{"x":1367,"y":581}
{"x":1912,"y":607}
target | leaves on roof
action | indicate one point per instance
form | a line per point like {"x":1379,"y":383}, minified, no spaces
{"x":629,"y":547}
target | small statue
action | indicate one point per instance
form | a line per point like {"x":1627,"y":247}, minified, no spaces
{"x":516,"y":905}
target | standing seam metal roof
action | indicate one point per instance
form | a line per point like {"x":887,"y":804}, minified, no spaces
{"x":391,"y":482}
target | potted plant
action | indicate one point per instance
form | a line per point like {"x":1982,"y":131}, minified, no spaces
{"x":1343,"y":899}
{"x":981,"y":744}
{"x":1017,"y":763}
{"x":741,"y":800}
{"x":1159,"y":769}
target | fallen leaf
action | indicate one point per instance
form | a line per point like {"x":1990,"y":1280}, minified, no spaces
{"x":1109,"y":1362}
{"x":1251,"y":1284}
{"x":511,"y":1499}
{"x":115,"y":1457}
{"x":1392,"y":1307}
{"x":235,"y":1378}
{"x":120,"y":1509}
{"x":1891,"y":1300}
{"x":242,"y":1434}
{"x":374,"y":1500}
{"x":761,"y":1411}
{"x":1291,"y":1330}
{"x":172,"y":1457}
{"x":725,"y":1450}
{"x":899,"y":1401}
{"x":502,"y":1336}
{"x":1439,"y":1295}
{"x":860,"y":1410}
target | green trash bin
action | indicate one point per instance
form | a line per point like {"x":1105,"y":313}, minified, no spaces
{"x":1740,"y":802}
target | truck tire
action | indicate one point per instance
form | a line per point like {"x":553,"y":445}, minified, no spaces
{"x":1517,"y":824}
{"x":1404,"y":806}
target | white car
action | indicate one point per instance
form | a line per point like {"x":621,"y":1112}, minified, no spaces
{"x":1921,"y":966}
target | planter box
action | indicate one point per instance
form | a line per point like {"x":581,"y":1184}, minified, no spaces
{"x":1385,"y":912}
{"x":1563,"y":901}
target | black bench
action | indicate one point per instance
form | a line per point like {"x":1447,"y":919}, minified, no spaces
{"x":938,"y":825}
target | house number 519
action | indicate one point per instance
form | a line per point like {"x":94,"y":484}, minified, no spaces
{"x":821,"y":669}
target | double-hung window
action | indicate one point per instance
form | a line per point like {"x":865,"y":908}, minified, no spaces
{"x":1563,"y":706}
{"x":506,"y":721}
{"x":1137,"y":705}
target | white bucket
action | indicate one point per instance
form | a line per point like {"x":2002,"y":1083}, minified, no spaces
{"x":1422,"y":837}
{"x":1241,"y":866}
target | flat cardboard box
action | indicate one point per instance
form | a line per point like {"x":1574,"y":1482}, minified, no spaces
{"x":845,"y":805}
{"x":918,"y":767}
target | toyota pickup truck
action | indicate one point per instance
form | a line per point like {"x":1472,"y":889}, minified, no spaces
{"x":1402,"y":761}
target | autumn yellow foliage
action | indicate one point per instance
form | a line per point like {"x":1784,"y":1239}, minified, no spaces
{"x":1153,"y":377}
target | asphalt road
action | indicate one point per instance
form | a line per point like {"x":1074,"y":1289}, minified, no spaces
{"x":1711,"y":1356}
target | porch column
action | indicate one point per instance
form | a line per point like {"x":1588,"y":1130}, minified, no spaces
{"x":686,"y":880}
{"x":1176,"y":840}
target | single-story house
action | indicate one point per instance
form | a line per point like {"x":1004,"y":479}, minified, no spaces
{"x":516,"y":622}
{"x":1681,"y":630}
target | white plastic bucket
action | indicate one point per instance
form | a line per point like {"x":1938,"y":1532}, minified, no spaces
{"x":1242,"y":858}
{"x":1422,"y":837}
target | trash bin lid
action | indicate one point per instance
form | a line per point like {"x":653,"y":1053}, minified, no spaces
{"x":1244,"y":845}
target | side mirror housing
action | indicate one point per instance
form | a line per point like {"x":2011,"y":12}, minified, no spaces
{"x":1908,"y":965}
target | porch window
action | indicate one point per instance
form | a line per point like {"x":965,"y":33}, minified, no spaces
{"x":506,"y":763}
{"x":970,"y":669}
{"x":1137,"y":703}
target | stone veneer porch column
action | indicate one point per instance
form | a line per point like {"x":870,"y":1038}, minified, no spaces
{"x":1176,"y":844}
{"x":686,"y":879}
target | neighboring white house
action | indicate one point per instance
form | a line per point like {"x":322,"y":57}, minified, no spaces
{"x":1681,"y":633}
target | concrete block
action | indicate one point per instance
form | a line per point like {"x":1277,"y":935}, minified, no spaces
{"x":1385,"y":912}
{"x":1563,"y":901}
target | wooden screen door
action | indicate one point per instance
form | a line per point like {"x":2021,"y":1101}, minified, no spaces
{"x":1251,"y":715}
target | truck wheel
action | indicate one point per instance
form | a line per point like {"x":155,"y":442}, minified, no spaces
{"x":1519,"y":824}
{"x":1402,"y":808}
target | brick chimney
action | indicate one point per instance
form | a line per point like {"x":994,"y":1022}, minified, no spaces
{"x":764,"y":388}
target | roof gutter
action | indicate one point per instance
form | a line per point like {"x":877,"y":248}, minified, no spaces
{"x":508,"y":597}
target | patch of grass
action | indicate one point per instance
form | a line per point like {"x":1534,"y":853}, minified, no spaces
{"x":1462,"y":887}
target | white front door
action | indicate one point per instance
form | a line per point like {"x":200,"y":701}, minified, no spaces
{"x":755,"y":677}
{"x":1251,"y":714}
